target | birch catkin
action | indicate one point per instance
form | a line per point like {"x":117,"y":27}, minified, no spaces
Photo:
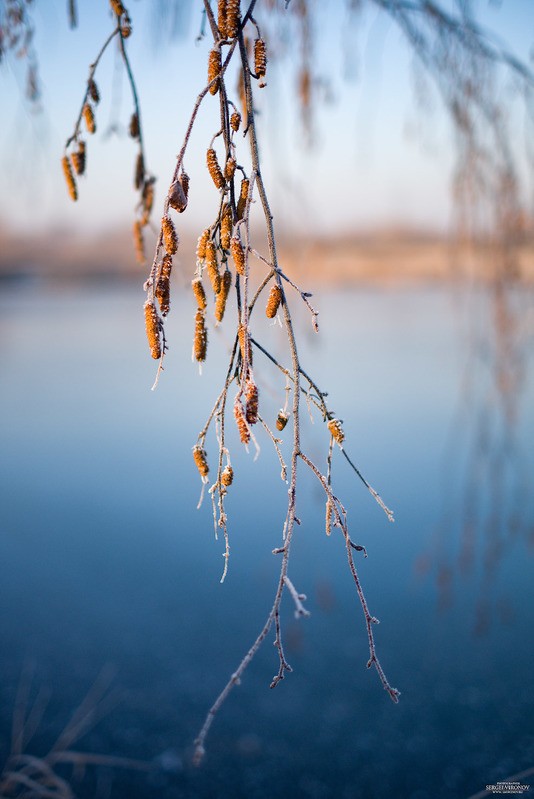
{"x":89,"y":118}
{"x":236,"y":248}
{"x":226,"y":226}
{"x":214,"y":69}
{"x":273,"y":303}
{"x":200,"y":344}
{"x":69,"y":178}
{"x":214,"y":169}
{"x":152,"y":330}
{"x":336,"y":431}
{"x":169,"y":235}
{"x":201,"y":460}
{"x":201,"y":246}
{"x":212,"y":266}
{"x":222,"y":296}
{"x":243,"y":196}
{"x":163,"y":286}
{"x":200,"y":294}
{"x":241,"y":422}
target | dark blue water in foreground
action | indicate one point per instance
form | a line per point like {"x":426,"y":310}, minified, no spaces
{"x":105,"y":561}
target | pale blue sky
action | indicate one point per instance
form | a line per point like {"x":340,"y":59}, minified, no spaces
{"x":377,"y":159}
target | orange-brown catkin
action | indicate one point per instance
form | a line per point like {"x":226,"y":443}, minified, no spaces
{"x":244,"y":344}
{"x":200,"y":294}
{"x":222,"y":296}
{"x":78,"y":159}
{"x":69,"y":178}
{"x":232,"y":19}
{"x":134,"y":126}
{"x":152,"y":329}
{"x":139,"y":242}
{"x":200,"y":345}
{"x":169,"y":235}
{"x":273,"y":303}
{"x":243,"y":196}
{"x":163,"y":286}
{"x":148,"y":199}
{"x":201,"y":246}
{"x":93,"y":92}
{"x":201,"y":460}
{"x":212,"y":266}
{"x":336,"y":431}
{"x":221,"y":19}
{"x":239,"y":413}
{"x":89,"y":118}
{"x":184,"y":181}
{"x":236,"y":248}
{"x":235,"y":121}
{"x":226,"y":226}
{"x":281,"y":420}
{"x":251,"y":397}
{"x":229,"y":169}
{"x":214,"y":169}
{"x":227,"y":476}
{"x":260,"y":58}
{"x":117,"y":7}
{"x":214,"y":69}
{"x":139,"y":175}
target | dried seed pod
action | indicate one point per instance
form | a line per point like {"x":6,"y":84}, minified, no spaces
{"x":226,"y":226}
{"x":221,"y":19}
{"x":200,"y":294}
{"x":200,"y":345}
{"x":260,"y":58}
{"x":78,"y":159}
{"x":212,"y":266}
{"x":238,"y":254}
{"x":214,"y":169}
{"x":201,"y":246}
{"x":336,"y":431}
{"x":243,"y":196}
{"x":281,"y":420}
{"x":214,"y":69}
{"x":134,"y":125}
{"x":232,"y":19}
{"x":169,"y":235}
{"x":89,"y":118}
{"x":229,"y":169}
{"x":235,"y":121}
{"x":201,"y":460}
{"x":117,"y":7}
{"x":139,"y":242}
{"x":251,"y":397}
{"x":273,"y":303}
{"x":139,"y":175}
{"x":69,"y":178}
{"x":94,"y":94}
{"x":222,"y":296}
{"x":163,"y":286}
{"x":239,"y":414}
{"x":153,"y":329}
{"x":227,"y":476}
{"x":148,"y":199}
{"x":177,"y":198}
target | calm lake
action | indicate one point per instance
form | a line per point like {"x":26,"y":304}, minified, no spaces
{"x":108,"y":568}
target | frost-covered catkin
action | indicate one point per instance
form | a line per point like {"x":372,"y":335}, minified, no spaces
{"x":78,"y":159}
{"x":251,"y":399}
{"x":201,"y":245}
{"x":336,"y":431}
{"x":328,"y":520}
{"x":89,"y":118}
{"x":281,"y":420}
{"x":163,"y":286}
{"x":241,"y":422}
{"x":134,"y":126}
{"x":232,"y":19}
{"x":226,"y":226}
{"x":229,"y":169}
{"x":273,"y":303}
{"x":117,"y":7}
{"x":147,"y":197}
{"x":214,"y":69}
{"x":200,"y":294}
{"x":201,"y":460}
{"x":221,"y":18}
{"x":260,"y":59}
{"x":169,"y":235}
{"x":243,"y":196}
{"x":227,"y":476}
{"x":244,"y":344}
{"x":236,"y":248}
{"x":212,"y":266}
{"x":69,"y":178}
{"x":200,"y":344}
{"x":222,"y":296}
{"x":214,"y":169}
{"x":235,"y":121}
{"x":152,"y":330}
{"x":139,"y":242}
